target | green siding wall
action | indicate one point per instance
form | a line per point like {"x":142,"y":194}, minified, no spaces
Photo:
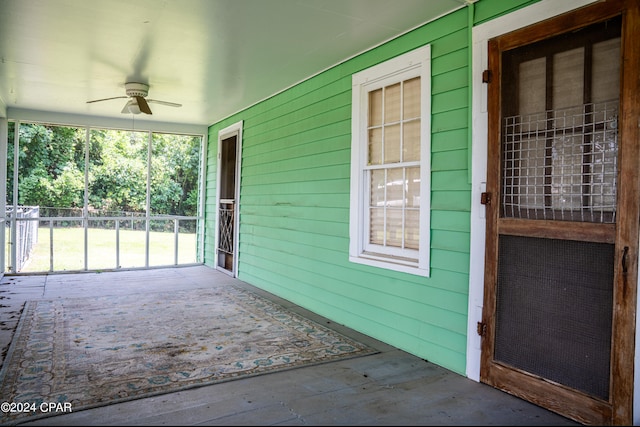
{"x":294,"y":201}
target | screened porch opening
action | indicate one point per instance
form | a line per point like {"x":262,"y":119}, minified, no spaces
{"x":89,"y":199}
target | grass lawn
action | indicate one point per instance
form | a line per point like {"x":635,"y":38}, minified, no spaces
{"x":68,"y":249}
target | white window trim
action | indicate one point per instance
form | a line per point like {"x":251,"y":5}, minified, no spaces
{"x":412,"y":64}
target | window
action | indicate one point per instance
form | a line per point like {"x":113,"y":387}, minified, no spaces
{"x":390,"y":173}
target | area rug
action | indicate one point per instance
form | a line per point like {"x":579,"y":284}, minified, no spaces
{"x":88,"y":352}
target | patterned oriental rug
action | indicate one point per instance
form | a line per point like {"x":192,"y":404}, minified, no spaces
{"x":88,"y":352}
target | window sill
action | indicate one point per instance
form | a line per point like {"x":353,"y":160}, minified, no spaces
{"x":388,"y":263}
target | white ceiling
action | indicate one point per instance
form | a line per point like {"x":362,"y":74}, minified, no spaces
{"x":214,"y":57}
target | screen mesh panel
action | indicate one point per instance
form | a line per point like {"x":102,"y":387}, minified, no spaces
{"x":561,"y":164}
{"x":554,"y":310}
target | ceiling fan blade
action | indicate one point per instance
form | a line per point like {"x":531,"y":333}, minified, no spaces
{"x":106,"y":99}
{"x":142,"y":103}
{"x":170,"y":104}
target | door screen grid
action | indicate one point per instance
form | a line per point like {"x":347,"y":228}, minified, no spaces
{"x":561,"y":164}
{"x":548,"y":321}
{"x":225,"y":240}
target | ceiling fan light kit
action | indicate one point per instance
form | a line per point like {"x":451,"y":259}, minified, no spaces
{"x":137,"y":92}
{"x":131,"y":107}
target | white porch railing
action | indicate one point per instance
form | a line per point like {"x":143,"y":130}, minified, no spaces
{"x":26,"y":233}
{"x":21,"y":244}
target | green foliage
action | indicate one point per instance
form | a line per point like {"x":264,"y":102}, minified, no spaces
{"x":119,"y":185}
{"x":66,"y":190}
{"x":51,"y":162}
{"x":174,"y":174}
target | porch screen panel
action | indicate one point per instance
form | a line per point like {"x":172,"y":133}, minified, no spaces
{"x":562,"y":327}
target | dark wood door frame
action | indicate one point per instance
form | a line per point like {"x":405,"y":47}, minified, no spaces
{"x":228,"y":198}
{"x":619,"y":409}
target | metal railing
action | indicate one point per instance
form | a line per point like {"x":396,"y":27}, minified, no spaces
{"x":26,"y":235}
{"x":21,"y":244}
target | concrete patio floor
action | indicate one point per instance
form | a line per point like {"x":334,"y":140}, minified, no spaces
{"x":391,"y":387}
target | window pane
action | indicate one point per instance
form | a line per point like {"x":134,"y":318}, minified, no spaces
{"x":376,"y":227}
{"x":378,"y":186}
{"x":531,"y":94}
{"x":411,"y":141}
{"x":605,"y":82}
{"x":375,"y":107}
{"x":412,"y":229}
{"x":568,"y":78}
{"x":413,"y":187}
{"x":394,"y":227}
{"x":392,"y":144}
{"x":395,"y":189}
{"x":392,"y":103}
{"x":411,"y":99}
{"x":375,"y":146}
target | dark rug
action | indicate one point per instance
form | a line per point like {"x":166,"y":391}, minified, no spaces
{"x":81,"y":353}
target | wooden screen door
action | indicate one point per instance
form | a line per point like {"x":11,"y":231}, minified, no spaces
{"x":228,"y":190}
{"x":562,"y":214}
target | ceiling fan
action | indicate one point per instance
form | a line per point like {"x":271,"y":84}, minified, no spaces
{"x":138,"y":102}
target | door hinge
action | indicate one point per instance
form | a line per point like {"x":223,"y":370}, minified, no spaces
{"x":485,"y":198}
{"x":482,"y":328}
{"x":486,"y":76}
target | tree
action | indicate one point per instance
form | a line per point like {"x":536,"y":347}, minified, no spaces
{"x":52,"y":164}
{"x":174,"y":174}
{"x":118,"y":172}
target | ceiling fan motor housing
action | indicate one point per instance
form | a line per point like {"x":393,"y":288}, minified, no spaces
{"x":137,"y":89}
{"x":137,"y":103}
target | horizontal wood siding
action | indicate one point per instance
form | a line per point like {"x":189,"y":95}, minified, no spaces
{"x":294,"y":203}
